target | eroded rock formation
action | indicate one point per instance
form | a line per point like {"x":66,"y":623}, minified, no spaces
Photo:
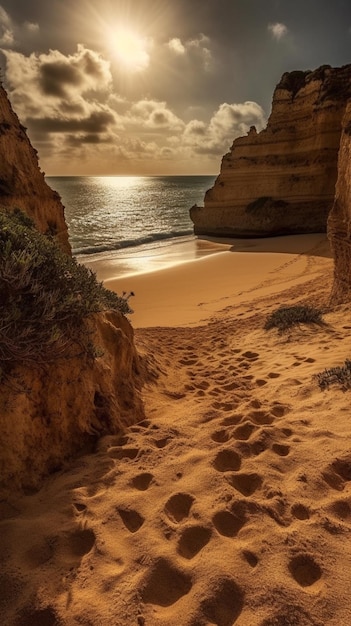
{"x":48,"y":415}
{"x":22,"y":184}
{"x":339,"y":221}
{"x":282,"y":180}
{"x":51,"y":412}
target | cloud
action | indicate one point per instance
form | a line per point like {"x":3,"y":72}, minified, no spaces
{"x":196,"y":49}
{"x":46,"y":84}
{"x":226,"y":124}
{"x":155,"y":116}
{"x":11,"y":32}
{"x":6,"y":29}
{"x":96,"y":122}
{"x":176,"y":46}
{"x":31,"y":27}
{"x":75,"y":115}
{"x":278,"y":30}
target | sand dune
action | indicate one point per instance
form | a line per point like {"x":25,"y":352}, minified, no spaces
{"x":231,"y":503}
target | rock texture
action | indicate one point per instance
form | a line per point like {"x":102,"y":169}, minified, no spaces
{"x":339,"y":221}
{"x":282,"y":180}
{"x":48,"y":415}
{"x":51,"y":413}
{"x":22,"y":184}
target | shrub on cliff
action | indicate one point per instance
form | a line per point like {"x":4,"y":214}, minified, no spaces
{"x":286,"y":317}
{"x":45,"y":297}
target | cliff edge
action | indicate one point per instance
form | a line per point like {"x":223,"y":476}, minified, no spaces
{"x":339,"y":221}
{"x":69,"y":369}
{"x":282,"y":180}
{"x":22,"y":184}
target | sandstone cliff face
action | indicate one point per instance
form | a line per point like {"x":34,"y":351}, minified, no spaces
{"x":50,"y":414}
{"x":282,"y":180}
{"x":22,"y":184}
{"x":339,"y":221}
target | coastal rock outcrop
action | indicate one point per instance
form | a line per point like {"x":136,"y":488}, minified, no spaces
{"x":339,"y":221}
{"x":22,"y":184}
{"x":282,"y":180}
{"x":48,"y":415}
{"x":50,"y":411}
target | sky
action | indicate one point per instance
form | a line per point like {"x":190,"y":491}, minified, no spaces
{"x":156,"y":87}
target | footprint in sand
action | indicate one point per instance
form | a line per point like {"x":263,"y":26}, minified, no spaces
{"x":279,"y":410}
{"x":227,"y":460}
{"x":131,"y":519}
{"x":300,"y":511}
{"x":220,"y":436}
{"x":261,"y":417}
{"x":252,"y":356}
{"x":231,"y":420}
{"x":338,"y":473}
{"x":224,"y":406}
{"x":178,"y":506}
{"x":165,"y":585}
{"x":76,"y":544}
{"x":228,"y":524}
{"x":250,"y":557}
{"x":244,"y":431}
{"x":245,"y":483}
{"x":224,"y":603}
{"x":193,"y":540}
{"x":280,"y":449}
{"x":342,"y":509}
{"x":143,"y":481}
{"x":304,"y":570}
{"x":273,"y":375}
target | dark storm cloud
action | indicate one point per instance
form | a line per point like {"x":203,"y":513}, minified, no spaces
{"x":92,"y":138}
{"x":55,"y":76}
{"x":97,"y":122}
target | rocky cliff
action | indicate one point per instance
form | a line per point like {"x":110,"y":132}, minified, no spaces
{"x":50,"y":414}
{"x":22,"y":184}
{"x":52,"y":409}
{"x":339,"y":221}
{"x":282,"y":180}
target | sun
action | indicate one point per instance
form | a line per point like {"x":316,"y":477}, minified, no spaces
{"x":130,"y":49}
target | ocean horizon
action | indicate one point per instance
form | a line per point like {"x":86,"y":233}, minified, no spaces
{"x":115,"y":213}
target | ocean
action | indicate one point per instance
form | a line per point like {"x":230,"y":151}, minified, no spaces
{"x":133,"y":221}
{"x":112,"y":213}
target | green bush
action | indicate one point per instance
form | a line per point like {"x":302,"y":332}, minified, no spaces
{"x":45,"y":297}
{"x":286,"y":317}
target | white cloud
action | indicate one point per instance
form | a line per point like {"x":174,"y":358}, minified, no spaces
{"x":6,"y":29}
{"x":32,"y":27}
{"x":278,"y":30}
{"x":176,"y":46}
{"x":155,"y":116}
{"x":227,"y":123}
{"x":196,"y":49}
{"x":12,"y":32}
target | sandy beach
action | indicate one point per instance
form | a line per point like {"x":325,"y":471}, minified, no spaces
{"x":231,"y":502}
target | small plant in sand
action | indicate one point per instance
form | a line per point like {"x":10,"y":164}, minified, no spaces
{"x":286,"y":317}
{"x":340,"y":375}
{"x":45,"y":296}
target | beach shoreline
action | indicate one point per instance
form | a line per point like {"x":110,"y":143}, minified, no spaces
{"x":209,"y":275}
